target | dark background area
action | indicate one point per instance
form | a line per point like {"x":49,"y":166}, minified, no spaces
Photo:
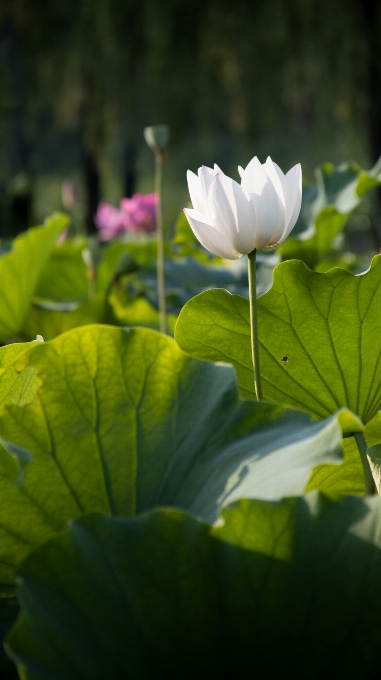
{"x":80,"y":79}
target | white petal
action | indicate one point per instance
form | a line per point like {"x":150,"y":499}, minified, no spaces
{"x":280,"y":173}
{"x":210,"y":238}
{"x":292,"y":187}
{"x":272,"y":172}
{"x":270,"y":216}
{"x":206,"y":176}
{"x":254,"y":177}
{"x":195,"y":191}
{"x":222,"y":205}
{"x":293,"y":193}
{"x":232,"y":213}
{"x":246,"y":219}
{"x":241,"y":171}
{"x":267,"y":197}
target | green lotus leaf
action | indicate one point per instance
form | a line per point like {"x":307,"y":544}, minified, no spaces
{"x":289,"y":589}
{"x":316,"y":335}
{"x":124,"y":421}
{"x":20,"y":270}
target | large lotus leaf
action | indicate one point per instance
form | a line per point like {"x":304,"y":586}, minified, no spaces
{"x":290,"y":589}
{"x":325,"y":209}
{"x":65,"y":275}
{"x":20,"y":270}
{"x":317,"y":334}
{"x":124,"y":421}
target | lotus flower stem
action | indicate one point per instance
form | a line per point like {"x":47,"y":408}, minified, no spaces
{"x":159,"y":158}
{"x":370,"y":487}
{"x":253,"y":323}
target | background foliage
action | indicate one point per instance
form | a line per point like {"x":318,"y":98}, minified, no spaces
{"x":297,"y":80}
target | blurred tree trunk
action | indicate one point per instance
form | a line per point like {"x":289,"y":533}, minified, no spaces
{"x":371,"y":9}
{"x":89,"y":125}
{"x":18,"y":198}
{"x":372,"y":15}
{"x":129,"y":177}
{"x":92,"y":188}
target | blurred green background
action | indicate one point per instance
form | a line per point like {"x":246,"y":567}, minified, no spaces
{"x":80,"y":79}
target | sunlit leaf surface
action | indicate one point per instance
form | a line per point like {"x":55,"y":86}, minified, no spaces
{"x":124,"y":421}
{"x":317,"y":335}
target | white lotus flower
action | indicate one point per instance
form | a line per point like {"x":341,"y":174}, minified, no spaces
{"x":231,"y":219}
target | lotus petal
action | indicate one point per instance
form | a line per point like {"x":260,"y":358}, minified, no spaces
{"x":292,"y":187}
{"x":195,"y":191}
{"x":212,"y":239}
{"x":233,"y":213}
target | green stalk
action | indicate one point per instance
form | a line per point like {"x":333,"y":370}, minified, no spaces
{"x":254,"y":323}
{"x":159,"y":158}
{"x":370,"y":487}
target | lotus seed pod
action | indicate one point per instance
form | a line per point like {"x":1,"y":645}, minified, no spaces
{"x":156,"y":136}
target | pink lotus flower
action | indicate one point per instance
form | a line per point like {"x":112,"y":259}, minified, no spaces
{"x":135,"y":215}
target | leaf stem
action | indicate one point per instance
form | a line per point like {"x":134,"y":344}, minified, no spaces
{"x":370,"y":487}
{"x":254,"y":323}
{"x":159,"y":159}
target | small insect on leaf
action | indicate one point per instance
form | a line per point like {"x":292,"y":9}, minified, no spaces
{"x":285,"y":360}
